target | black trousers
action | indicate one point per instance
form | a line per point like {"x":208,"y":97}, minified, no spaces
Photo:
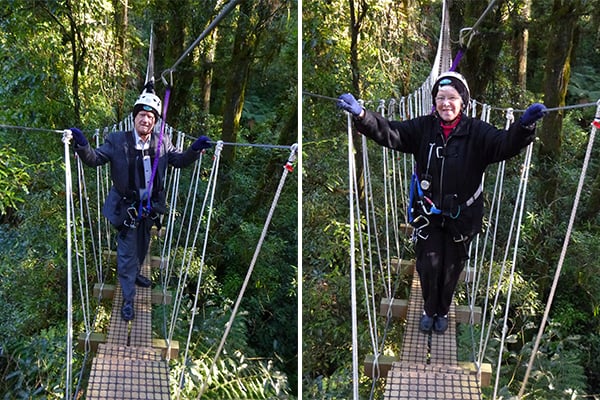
{"x":132,"y":246}
{"x":440,"y":259}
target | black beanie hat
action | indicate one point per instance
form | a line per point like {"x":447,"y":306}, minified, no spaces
{"x":456,"y":84}
{"x":142,"y":107}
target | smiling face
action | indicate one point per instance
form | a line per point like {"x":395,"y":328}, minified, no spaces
{"x":144,"y":123}
{"x":448,"y":103}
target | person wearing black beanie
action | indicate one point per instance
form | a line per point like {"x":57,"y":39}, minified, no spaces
{"x":451,"y":152}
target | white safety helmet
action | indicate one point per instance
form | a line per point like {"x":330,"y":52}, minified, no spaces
{"x":457,"y":81}
{"x":148,"y":102}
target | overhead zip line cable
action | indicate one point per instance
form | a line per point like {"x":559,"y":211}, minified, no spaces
{"x":226,"y":10}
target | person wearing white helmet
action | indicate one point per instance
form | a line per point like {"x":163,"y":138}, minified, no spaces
{"x":451,"y":151}
{"x":137,"y":196}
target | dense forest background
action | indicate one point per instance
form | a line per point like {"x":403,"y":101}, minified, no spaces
{"x":83,"y":63}
{"x":523,"y":51}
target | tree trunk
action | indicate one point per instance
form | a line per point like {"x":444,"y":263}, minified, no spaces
{"x":271,"y":176}
{"x":207,"y":70}
{"x":241,"y":60}
{"x":556,"y":77}
{"x":171,"y":43}
{"x":480,"y":62}
{"x":121,"y":25}
{"x":520,"y":44}
{"x":78,"y":53}
{"x":357,"y":16}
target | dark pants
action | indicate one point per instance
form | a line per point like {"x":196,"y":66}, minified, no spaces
{"x":440,"y":260}
{"x":132,"y":247}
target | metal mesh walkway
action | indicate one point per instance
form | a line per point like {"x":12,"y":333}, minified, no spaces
{"x":428,"y":366}
{"x":126,"y":366}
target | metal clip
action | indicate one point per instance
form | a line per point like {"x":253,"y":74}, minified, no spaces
{"x":438,"y":151}
{"x":132,"y":222}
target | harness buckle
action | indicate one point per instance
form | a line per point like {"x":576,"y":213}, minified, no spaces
{"x":419,"y":224}
{"x":133,"y":221}
{"x":439,"y":152}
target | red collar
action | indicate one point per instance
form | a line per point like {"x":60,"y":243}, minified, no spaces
{"x":447,"y":129}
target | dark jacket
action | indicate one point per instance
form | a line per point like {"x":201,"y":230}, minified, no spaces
{"x":454,"y":166}
{"x":116,"y":150}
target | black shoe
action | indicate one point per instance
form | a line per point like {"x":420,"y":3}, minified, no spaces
{"x":127,"y":312}
{"x":426,"y":323}
{"x":142,"y":281}
{"x":440,"y":324}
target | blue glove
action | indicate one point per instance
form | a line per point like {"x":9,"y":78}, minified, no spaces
{"x":348,"y":103}
{"x":201,"y":143}
{"x":78,"y":137}
{"x":533,"y":113}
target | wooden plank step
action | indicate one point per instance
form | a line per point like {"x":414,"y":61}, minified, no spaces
{"x":129,"y":352}
{"x":98,"y":338}
{"x":437,"y":368}
{"x":108,"y":292}
{"x":399,"y":309}
{"x":118,"y":379}
{"x":429,"y":385}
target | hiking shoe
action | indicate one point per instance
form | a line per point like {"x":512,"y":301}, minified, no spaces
{"x":127,"y":312}
{"x":440,"y":324}
{"x":142,"y":281}
{"x":426,"y":323}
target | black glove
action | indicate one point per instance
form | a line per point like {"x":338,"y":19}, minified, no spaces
{"x":348,"y":103}
{"x":201,"y":143}
{"x":533,"y":113}
{"x":78,"y":137}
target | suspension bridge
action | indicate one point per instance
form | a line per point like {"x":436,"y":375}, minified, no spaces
{"x":427,"y":366}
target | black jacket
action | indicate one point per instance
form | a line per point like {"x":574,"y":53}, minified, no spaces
{"x":116,"y":150}
{"x":454,"y":166}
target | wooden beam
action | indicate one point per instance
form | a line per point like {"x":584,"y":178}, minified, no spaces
{"x":485,"y":379}
{"x":108,"y":292}
{"x":399,"y":307}
{"x":95,"y":339}
{"x":463,"y":314}
{"x":162,"y":345}
{"x":384,"y":363}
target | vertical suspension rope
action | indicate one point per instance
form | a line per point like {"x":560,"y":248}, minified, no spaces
{"x":286,"y":169}
{"x":595,"y":126}
{"x":521,"y":202}
{"x":370,"y":305}
{"x":354,"y":317}
{"x":210,"y":190}
{"x":67,"y":135}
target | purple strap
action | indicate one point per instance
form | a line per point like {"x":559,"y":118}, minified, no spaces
{"x":457,"y":59}
{"x":157,"y":157}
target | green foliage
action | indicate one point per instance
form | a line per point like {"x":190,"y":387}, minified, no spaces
{"x":236,"y":374}
{"x":33,"y":367}
{"x":235,"y":377}
{"x":14,"y":180}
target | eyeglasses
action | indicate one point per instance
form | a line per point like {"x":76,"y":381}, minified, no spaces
{"x":441,"y":99}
